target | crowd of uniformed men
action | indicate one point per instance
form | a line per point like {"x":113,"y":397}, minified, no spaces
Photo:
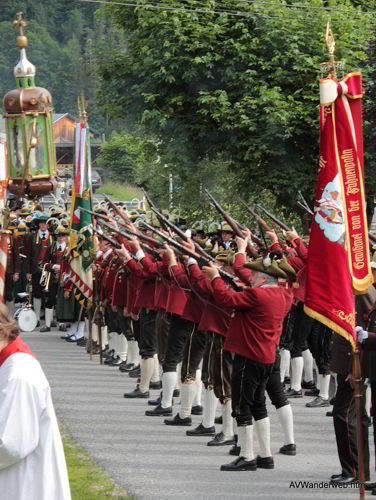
{"x":175,"y":326}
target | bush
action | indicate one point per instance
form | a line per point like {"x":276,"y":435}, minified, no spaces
{"x":121,"y":192}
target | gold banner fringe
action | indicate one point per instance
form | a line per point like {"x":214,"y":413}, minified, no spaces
{"x":331,"y":324}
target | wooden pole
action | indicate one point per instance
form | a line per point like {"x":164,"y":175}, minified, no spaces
{"x":358,"y":393}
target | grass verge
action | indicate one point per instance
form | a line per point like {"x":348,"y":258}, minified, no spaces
{"x":88,"y":481}
{"x":121,"y":192}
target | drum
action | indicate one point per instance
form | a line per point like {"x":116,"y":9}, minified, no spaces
{"x":26,"y":319}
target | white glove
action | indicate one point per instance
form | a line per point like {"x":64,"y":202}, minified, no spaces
{"x":361,"y":334}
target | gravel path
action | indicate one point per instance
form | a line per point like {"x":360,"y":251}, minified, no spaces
{"x":153,"y":461}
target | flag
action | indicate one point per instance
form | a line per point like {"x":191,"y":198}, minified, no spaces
{"x":81,"y":234}
{"x":338,"y":258}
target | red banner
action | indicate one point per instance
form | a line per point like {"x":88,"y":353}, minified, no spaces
{"x":338,"y":257}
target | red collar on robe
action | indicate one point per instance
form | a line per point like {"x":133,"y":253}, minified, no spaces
{"x":17,"y":345}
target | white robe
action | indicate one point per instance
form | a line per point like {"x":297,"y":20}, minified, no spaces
{"x":32,"y":461}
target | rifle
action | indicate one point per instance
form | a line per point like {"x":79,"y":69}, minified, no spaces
{"x":372,"y":237}
{"x":260,"y":221}
{"x":112,"y":242}
{"x":125,"y":234}
{"x":303,"y":204}
{"x":117,"y":209}
{"x":203,"y":260}
{"x":153,"y":207}
{"x":235,"y":226}
{"x":274,"y":219}
{"x":181,"y":233}
{"x":130,"y":236}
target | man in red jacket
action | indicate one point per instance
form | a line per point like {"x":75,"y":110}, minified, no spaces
{"x":253,"y":337}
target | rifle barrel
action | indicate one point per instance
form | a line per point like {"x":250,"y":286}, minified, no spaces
{"x":274,"y":219}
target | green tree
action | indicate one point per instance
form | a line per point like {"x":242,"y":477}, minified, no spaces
{"x":243,"y":87}
{"x":125,"y":157}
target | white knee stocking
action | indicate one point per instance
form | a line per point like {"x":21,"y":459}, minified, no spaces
{"x":287,"y":423}
{"x":324,"y":386}
{"x":263,"y":435}
{"x":296,"y":373}
{"x":245,"y":441}
{"x":198,"y":393}
{"x":285,"y":363}
{"x":227,"y":426}
{"x":168,"y":386}
{"x":147,"y":367}
{"x":210,"y":407}
{"x":308,"y":365}
{"x":187,"y":393}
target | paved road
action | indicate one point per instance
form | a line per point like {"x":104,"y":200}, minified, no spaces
{"x":155,"y":462}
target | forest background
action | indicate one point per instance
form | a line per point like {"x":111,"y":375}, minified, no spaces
{"x":217,"y":94}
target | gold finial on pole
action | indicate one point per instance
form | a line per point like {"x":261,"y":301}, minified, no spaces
{"x":81,"y":104}
{"x":329,"y":39}
{"x":332,"y":66}
{"x":20,"y":23}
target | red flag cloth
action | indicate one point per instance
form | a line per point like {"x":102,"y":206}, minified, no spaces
{"x":338,"y":258}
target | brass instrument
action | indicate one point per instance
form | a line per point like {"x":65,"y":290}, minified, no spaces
{"x":45,"y":279}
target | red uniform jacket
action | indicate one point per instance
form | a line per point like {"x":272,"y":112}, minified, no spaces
{"x":214,"y":318}
{"x":255,"y":328}
{"x":159,"y":269}
{"x":193,"y":307}
{"x":299,"y":263}
{"x":119,"y":291}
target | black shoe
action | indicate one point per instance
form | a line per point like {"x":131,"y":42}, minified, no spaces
{"x":71,"y":339}
{"x":159,"y":412}
{"x":135,"y":373}
{"x":106,"y":353}
{"x":318,"y":402}
{"x":221,"y":440}
{"x":65,"y":337}
{"x":342,"y":480}
{"x":291,"y":393}
{"x":177,"y":420}
{"x":128,"y":367}
{"x":288,"y":449}
{"x":155,"y":385}
{"x":240,"y":464}
{"x":155,"y":402}
{"x":370,"y":486}
{"x":218,"y":420}
{"x":53,"y":324}
{"x":336,"y":476}
{"x":136,"y":394}
{"x":45,"y":329}
{"x":108,"y":361}
{"x":197,"y":410}
{"x":116,"y":361}
{"x":308,"y":385}
{"x":312,"y":392}
{"x":329,"y":414}
{"x":176,"y":393}
{"x":235,"y":450}
{"x":200,"y":430}
{"x":265,"y":462}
